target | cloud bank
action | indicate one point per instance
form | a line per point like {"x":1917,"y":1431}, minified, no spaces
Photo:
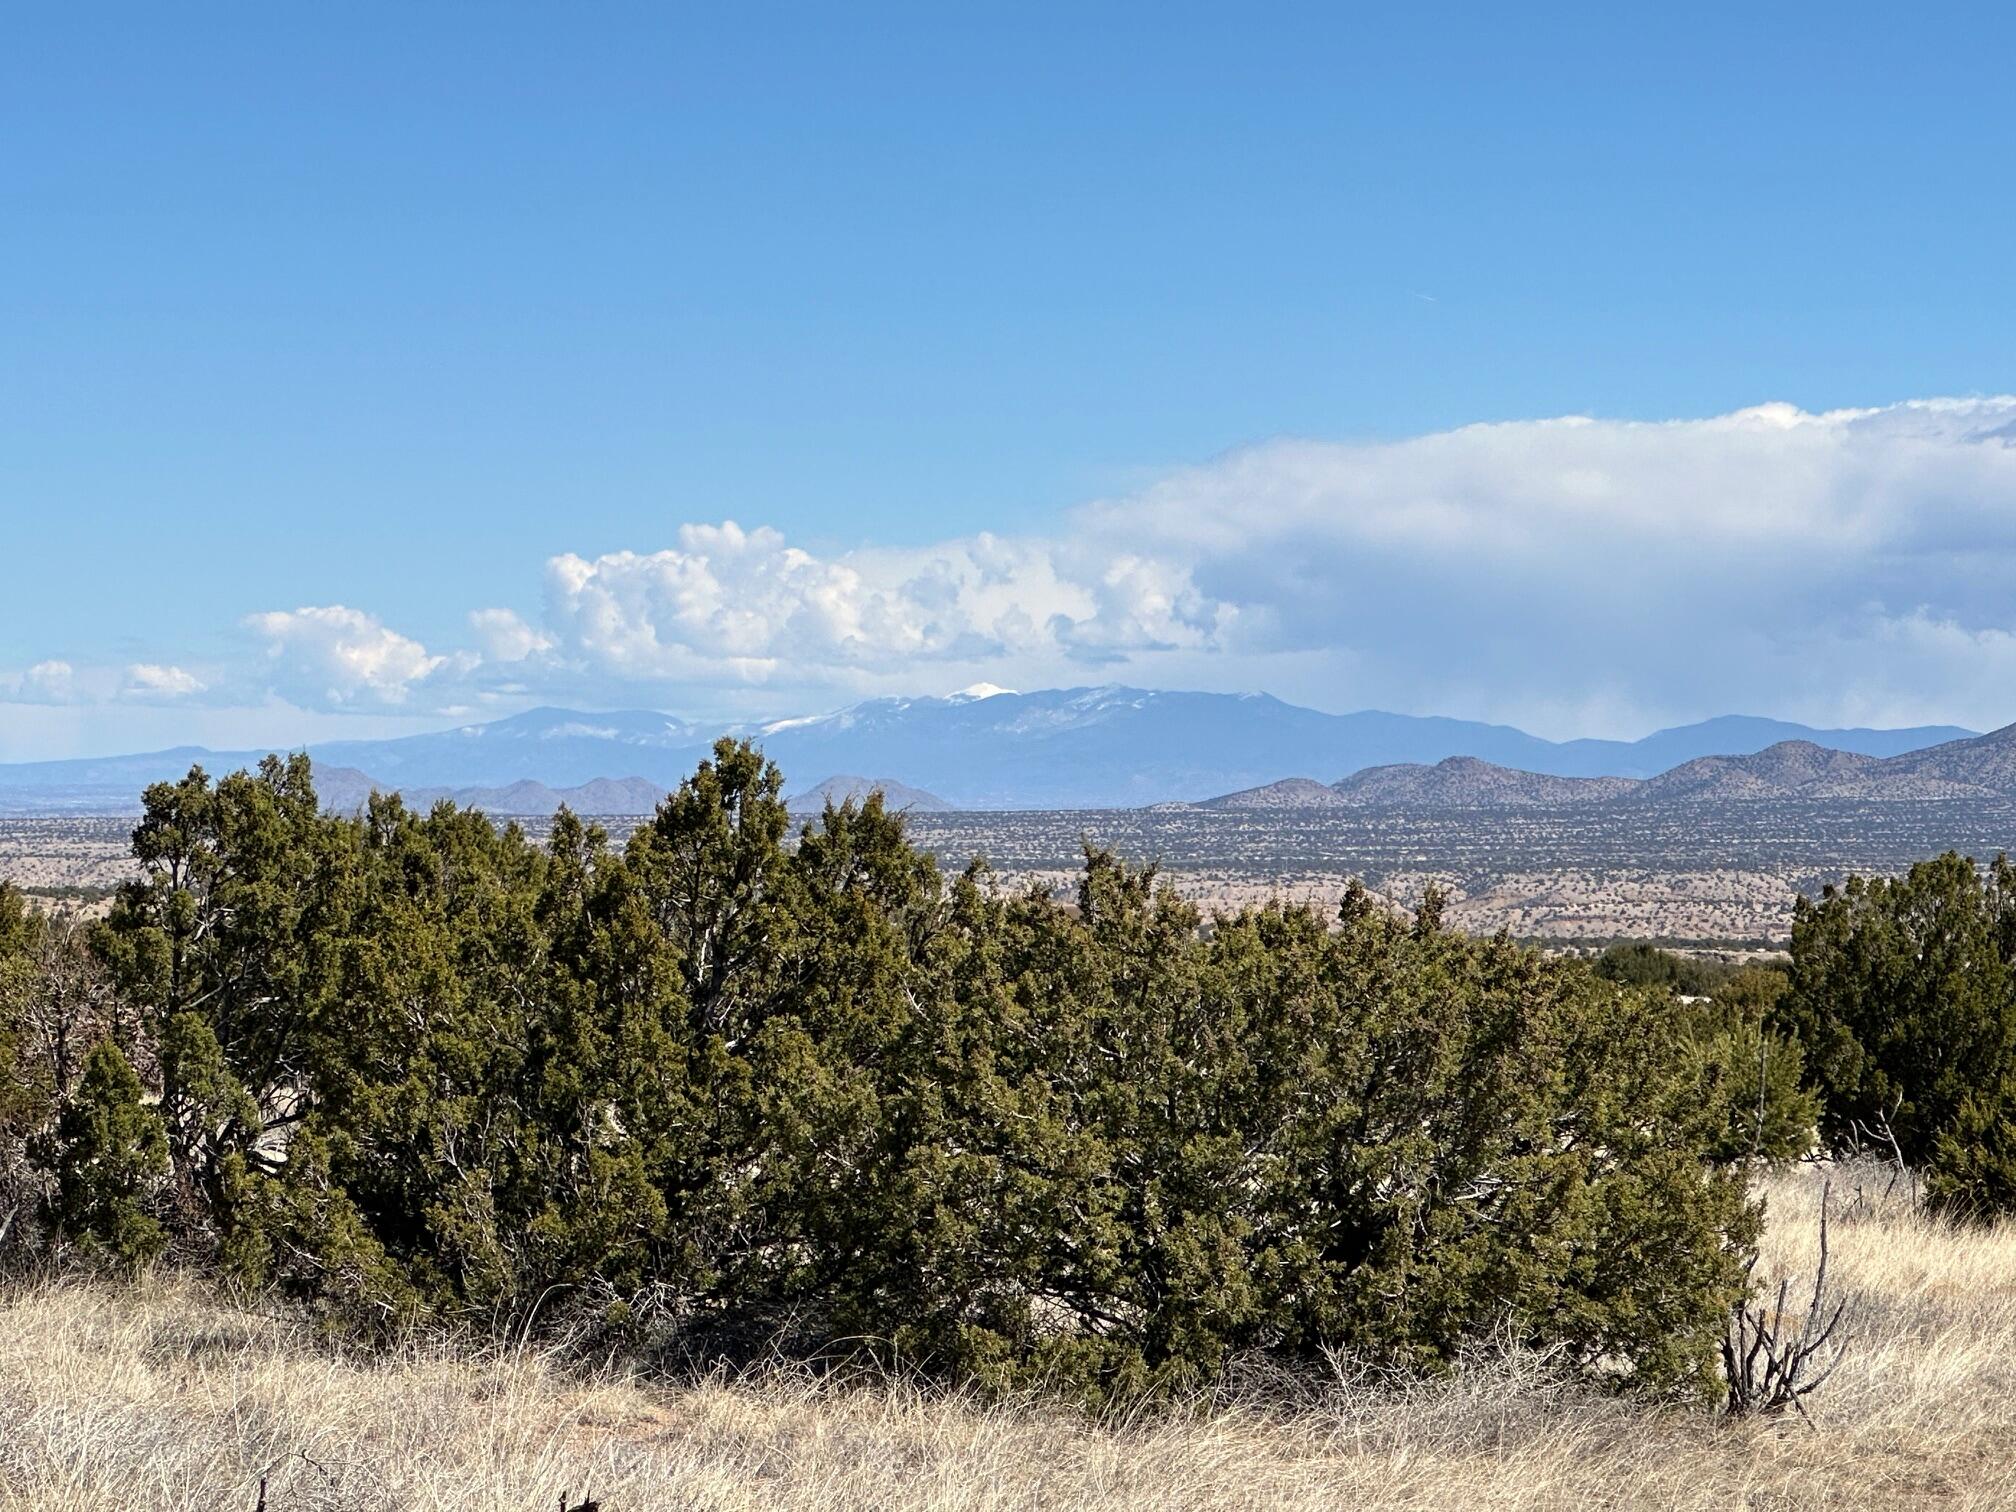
{"x":1573,"y":575}
{"x":745,"y":605}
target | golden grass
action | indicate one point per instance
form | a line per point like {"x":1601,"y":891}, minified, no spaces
{"x":165,"y":1397}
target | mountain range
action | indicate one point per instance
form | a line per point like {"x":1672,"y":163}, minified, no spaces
{"x":1975,"y":767}
{"x":986,"y":748}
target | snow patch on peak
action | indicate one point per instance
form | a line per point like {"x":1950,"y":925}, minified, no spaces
{"x":794,"y":724}
{"x":979,"y":691}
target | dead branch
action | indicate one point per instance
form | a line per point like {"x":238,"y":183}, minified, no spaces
{"x":1765,"y":1368}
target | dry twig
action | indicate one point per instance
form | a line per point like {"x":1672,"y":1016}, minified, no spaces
{"x":1765,"y":1368}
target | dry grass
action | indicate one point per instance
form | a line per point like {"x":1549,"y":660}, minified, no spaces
{"x":169,"y":1399}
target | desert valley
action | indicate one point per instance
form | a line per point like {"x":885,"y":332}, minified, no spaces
{"x":1706,"y":854}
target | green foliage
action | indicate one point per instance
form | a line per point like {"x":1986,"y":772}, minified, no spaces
{"x":55,"y":1005}
{"x":23,"y":1082}
{"x":1904,"y":997}
{"x":225,"y":949}
{"x":18,"y":927}
{"x":1755,"y":1075}
{"x":1973,"y":1164}
{"x":1749,"y":1073}
{"x":730,"y":1086}
{"x":1754,"y":992}
{"x":25,"y":1095}
{"x":1642,"y":965}
{"x":110,"y":1155}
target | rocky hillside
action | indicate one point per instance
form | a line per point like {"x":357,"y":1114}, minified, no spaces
{"x":1466,"y":782}
{"x":1984,"y":767}
{"x":1288,"y":793}
{"x":1985,"y":762}
{"x":1790,"y":768}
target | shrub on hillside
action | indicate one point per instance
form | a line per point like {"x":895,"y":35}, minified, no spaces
{"x":1641,"y":965}
{"x":1904,"y":996}
{"x":108,"y":1154}
{"x":1755,"y":1075}
{"x":24,"y":1095}
{"x":56,"y":1006}
{"x":412,"y":1064}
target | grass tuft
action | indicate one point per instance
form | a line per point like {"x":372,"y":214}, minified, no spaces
{"x":165,"y":1396}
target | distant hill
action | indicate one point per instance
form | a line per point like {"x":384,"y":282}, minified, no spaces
{"x":839,"y":790}
{"x":1784,"y":770}
{"x":346,"y":790}
{"x":1986,"y":761}
{"x":1731,"y":734}
{"x":984,"y":748}
{"x":1466,"y":782}
{"x":1984,"y":767}
{"x":1126,"y":747}
{"x":1979,"y":767}
{"x":1454,"y":782}
{"x":1288,"y":793}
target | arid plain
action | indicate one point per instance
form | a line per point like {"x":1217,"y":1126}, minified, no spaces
{"x":1711,"y":875}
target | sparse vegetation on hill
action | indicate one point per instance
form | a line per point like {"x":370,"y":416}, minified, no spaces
{"x":1976,"y":769}
{"x":1904,"y":992}
{"x":1466,"y":782}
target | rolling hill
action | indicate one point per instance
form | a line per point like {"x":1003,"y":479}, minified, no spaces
{"x":1979,"y":767}
{"x":1466,"y":782}
{"x":1288,"y":793}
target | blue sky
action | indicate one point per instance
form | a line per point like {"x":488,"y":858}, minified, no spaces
{"x":325,"y":332}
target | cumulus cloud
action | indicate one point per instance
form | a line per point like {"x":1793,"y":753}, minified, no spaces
{"x":346,"y":658}
{"x":1572,"y":573}
{"x":47,"y":682}
{"x":504,"y":637}
{"x":745,"y":604}
{"x":150,"y":680}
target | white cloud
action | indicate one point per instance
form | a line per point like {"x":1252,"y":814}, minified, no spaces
{"x":47,"y":682}
{"x":505,"y":637}
{"x":150,"y":680}
{"x":334,"y":656}
{"x":735,"y":604}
